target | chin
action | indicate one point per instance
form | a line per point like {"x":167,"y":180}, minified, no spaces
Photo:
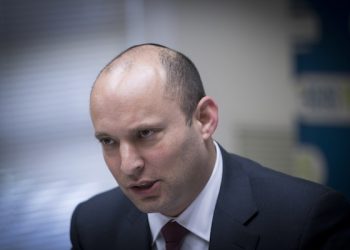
{"x":146,"y":207}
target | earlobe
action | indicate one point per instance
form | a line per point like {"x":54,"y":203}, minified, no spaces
{"x":207,"y":116}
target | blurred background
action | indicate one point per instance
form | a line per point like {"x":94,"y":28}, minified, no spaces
{"x":279,"y":70}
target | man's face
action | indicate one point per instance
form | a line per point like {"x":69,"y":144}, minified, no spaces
{"x":158,"y":160}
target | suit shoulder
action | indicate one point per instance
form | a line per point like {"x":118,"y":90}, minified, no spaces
{"x":272,"y":185}
{"x":104,"y":206}
{"x":102,"y":221}
{"x":109,"y":196}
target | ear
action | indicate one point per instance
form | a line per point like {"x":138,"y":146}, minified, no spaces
{"x":206,"y":116}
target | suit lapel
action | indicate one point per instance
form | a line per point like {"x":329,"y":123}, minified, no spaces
{"x":234,"y":209}
{"x":136,"y":233}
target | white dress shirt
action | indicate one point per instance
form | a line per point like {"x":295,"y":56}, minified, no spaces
{"x":197,"y":217}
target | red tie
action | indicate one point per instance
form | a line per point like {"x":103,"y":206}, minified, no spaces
{"x":173,"y":234}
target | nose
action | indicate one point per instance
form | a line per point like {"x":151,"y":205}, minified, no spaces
{"x":131,"y":162}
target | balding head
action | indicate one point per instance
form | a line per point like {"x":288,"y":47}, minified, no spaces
{"x":181,"y":78}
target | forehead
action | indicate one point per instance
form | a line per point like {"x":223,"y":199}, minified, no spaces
{"x":132,"y":96}
{"x":129,"y":69}
{"x":129,"y":83}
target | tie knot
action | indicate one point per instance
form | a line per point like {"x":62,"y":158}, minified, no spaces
{"x":173,"y":234}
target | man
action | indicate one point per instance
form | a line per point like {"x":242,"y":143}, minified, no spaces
{"x":155,"y":124}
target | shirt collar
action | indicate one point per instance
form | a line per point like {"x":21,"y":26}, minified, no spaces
{"x":202,"y":207}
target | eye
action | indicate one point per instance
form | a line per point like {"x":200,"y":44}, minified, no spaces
{"x":145,"y":133}
{"x":106,"y":141}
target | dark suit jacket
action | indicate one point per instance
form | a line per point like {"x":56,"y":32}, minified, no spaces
{"x":257,"y":208}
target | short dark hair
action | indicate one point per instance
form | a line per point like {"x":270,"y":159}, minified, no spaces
{"x":183,"y":79}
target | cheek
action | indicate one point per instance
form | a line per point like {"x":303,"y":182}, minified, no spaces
{"x":160,"y":159}
{"x":167,"y":156}
{"x":112,"y":162}
{"x":157,"y":156}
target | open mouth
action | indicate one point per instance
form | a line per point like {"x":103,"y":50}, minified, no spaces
{"x":145,"y":188}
